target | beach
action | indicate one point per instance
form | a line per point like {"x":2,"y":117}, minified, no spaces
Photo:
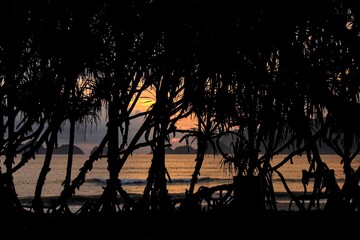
{"x":225,"y":223}
{"x":133,"y":178}
{"x":228,"y":223}
{"x":272,"y":86}
{"x":77,"y":201}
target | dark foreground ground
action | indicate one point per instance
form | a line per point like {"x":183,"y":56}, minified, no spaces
{"x":229,"y":224}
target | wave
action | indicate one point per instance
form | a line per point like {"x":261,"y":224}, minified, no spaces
{"x":96,"y":181}
{"x":205,"y":180}
{"x":135,"y":181}
{"x":296,"y":180}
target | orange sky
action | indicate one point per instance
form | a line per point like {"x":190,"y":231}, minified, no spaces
{"x":89,"y":137}
{"x":147,"y":99}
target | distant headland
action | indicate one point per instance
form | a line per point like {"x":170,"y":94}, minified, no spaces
{"x":181,"y":150}
{"x":63,"y":149}
{"x":224,"y":147}
{"x":177,"y":150}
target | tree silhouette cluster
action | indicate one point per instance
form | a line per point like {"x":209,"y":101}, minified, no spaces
{"x":273,"y":76}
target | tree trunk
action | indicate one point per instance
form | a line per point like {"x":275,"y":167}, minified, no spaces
{"x":248,"y":193}
{"x":37,"y":203}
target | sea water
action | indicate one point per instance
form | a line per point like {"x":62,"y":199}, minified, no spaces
{"x":133,"y":174}
{"x":179,"y":166}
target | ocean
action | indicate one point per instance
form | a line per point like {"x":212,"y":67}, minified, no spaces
{"x":180,"y":167}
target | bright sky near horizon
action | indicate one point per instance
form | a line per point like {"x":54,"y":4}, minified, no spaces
{"x":90,"y":135}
